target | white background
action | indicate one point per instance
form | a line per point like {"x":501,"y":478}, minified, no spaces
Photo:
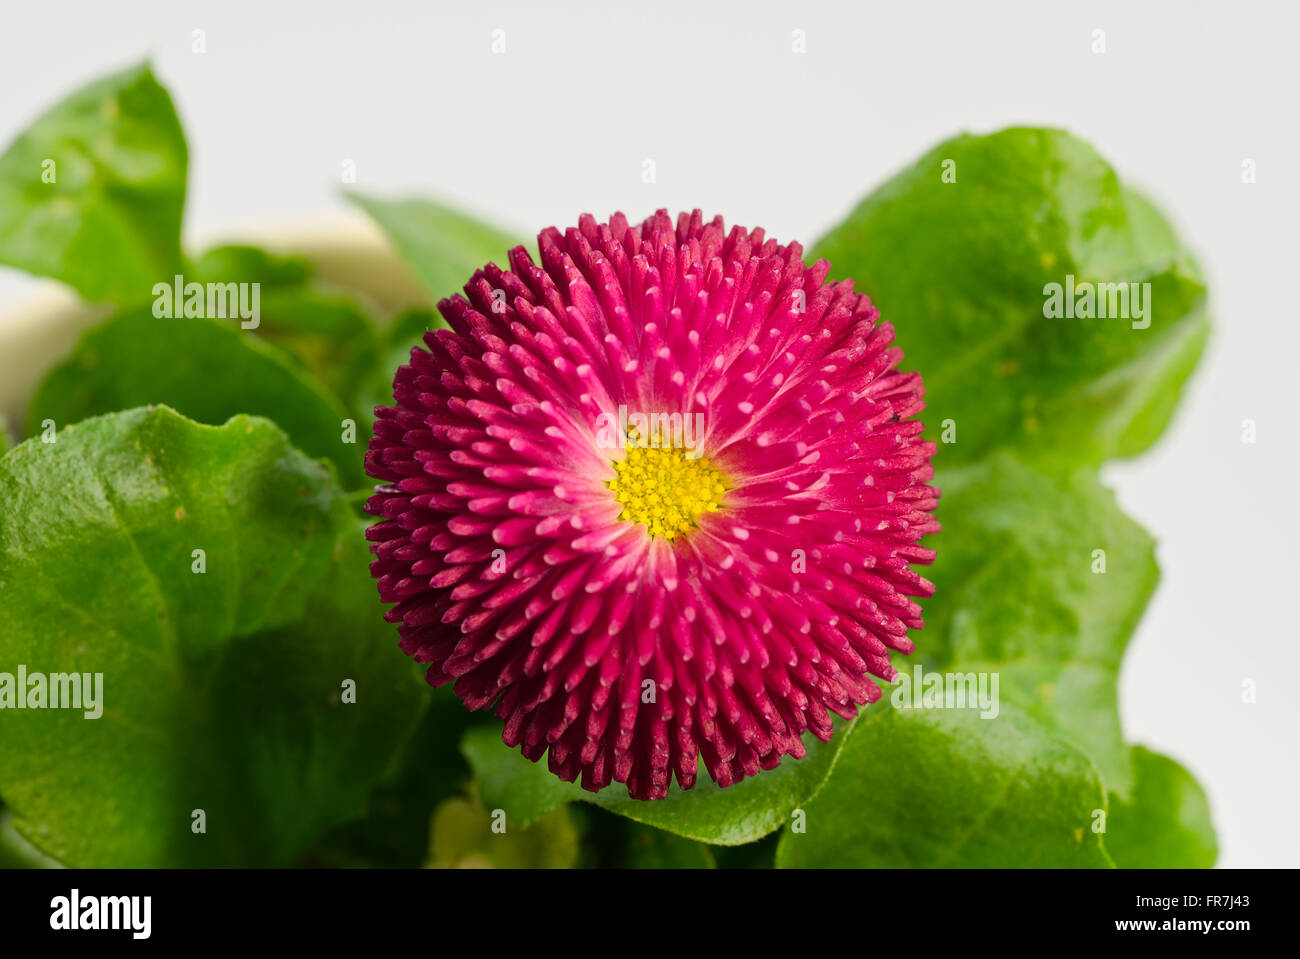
{"x":737,"y":123}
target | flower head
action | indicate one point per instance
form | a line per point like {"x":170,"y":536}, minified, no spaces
{"x":655,"y":499}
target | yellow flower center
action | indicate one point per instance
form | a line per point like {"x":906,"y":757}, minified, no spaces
{"x":665,"y":490}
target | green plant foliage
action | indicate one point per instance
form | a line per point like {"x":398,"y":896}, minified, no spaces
{"x":442,"y":246}
{"x":928,"y":787}
{"x":1165,"y":824}
{"x":208,"y":370}
{"x":463,"y":836}
{"x":328,"y":335}
{"x":1042,"y":585}
{"x":738,"y":814}
{"x":92,"y":192}
{"x":959,"y":264}
{"x":214,"y":578}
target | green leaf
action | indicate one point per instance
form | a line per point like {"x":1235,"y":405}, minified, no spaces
{"x":206,"y":369}
{"x":740,"y":813}
{"x":1018,"y":594}
{"x":707,"y":813}
{"x":92,"y":192}
{"x":240,"y":263}
{"x":1166,"y":823}
{"x":328,"y":335}
{"x":646,"y":848}
{"x":462,"y":836}
{"x":395,"y":830}
{"x":441,"y":245}
{"x":961,"y":269}
{"x":943,"y":787}
{"x":225,"y":672}
{"x":15,"y":851}
{"x":337,"y":747}
{"x":525,"y":790}
{"x":611,"y":841}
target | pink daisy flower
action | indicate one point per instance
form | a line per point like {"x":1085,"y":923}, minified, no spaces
{"x":655,"y":500}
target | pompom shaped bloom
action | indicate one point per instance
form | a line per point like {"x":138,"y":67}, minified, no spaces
{"x":655,"y":499}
